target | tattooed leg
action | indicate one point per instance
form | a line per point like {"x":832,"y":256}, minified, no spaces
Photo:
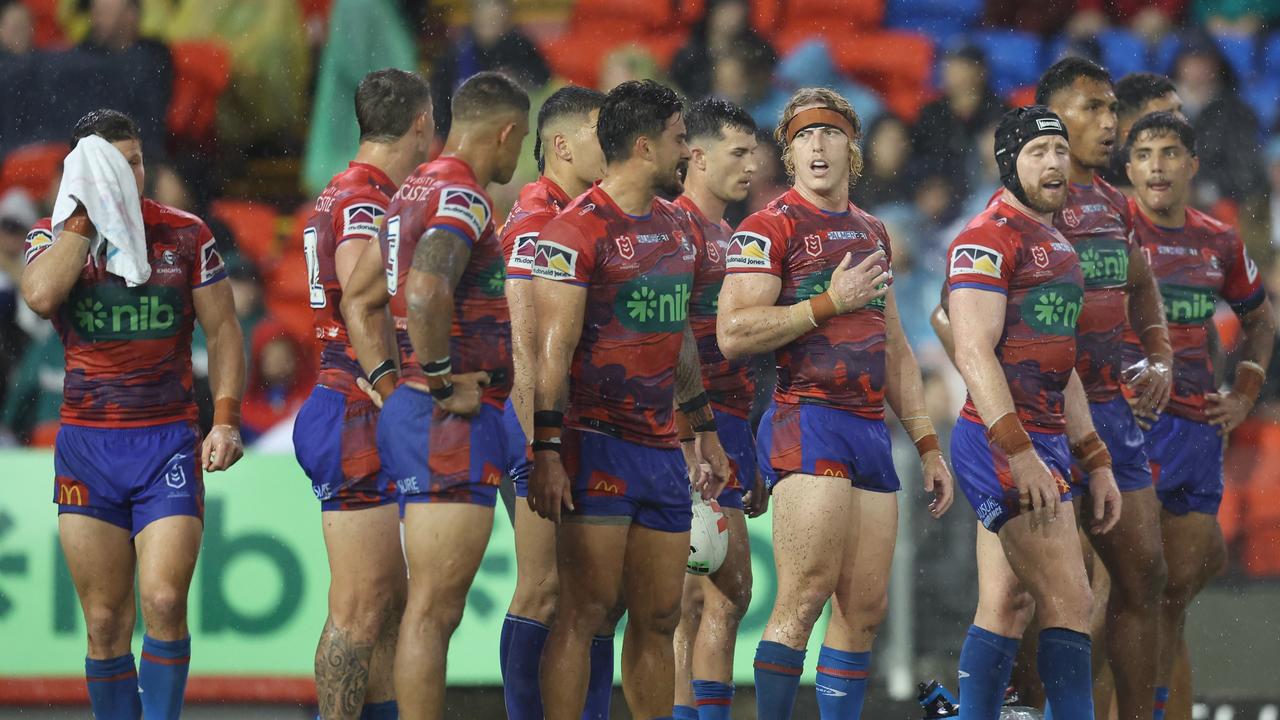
{"x":342,"y":671}
{"x":381,"y":685}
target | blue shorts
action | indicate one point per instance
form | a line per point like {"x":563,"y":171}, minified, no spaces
{"x":433,"y":456}
{"x":1119,"y":431}
{"x":1186,"y":460}
{"x":819,"y":440}
{"x":335,"y":438}
{"x":615,"y":479}
{"x":982,"y":471}
{"x":740,"y":445}
{"x":129,"y":477}
{"x":519,"y":454}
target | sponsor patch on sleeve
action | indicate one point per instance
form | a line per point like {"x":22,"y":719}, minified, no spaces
{"x":748,"y":250}
{"x":523,"y":252}
{"x":553,"y":261}
{"x":362,"y":219}
{"x":976,"y":260}
{"x":465,"y":205}
{"x":37,"y":241}
{"x":210,"y":261}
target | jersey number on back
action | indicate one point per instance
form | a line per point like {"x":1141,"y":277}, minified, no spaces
{"x":309,"y":240}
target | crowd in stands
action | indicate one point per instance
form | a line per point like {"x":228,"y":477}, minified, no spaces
{"x":245,"y":110}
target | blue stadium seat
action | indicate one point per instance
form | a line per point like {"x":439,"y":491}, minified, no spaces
{"x":1163,"y":54}
{"x":1119,"y":51}
{"x":1240,"y":52}
{"x":940,"y":19}
{"x":1263,"y":95}
{"x":1270,"y":66}
{"x":1013,"y":56}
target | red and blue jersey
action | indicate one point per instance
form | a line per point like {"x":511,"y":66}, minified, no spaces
{"x":445,"y":195}
{"x":842,"y":363}
{"x":128,"y":349}
{"x":639,"y":272}
{"x":1195,"y":265}
{"x":1002,"y":250}
{"x":352,"y":207}
{"x":539,"y":201}
{"x":730,"y":384}
{"x":1097,"y":222}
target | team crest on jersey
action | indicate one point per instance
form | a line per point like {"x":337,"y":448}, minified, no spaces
{"x":1040,"y":256}
{"x":553,"y":261}
{"x":210,"y":261}
{"x":1070,"y":217}
{"x":748,"y":250}
{"x":713,"y":251}
{"x":813,"y":244}
{"x":523,"y":251}
{"x":1250,"y":267}
{"x":37,"y":240}
{"x":465,"y":205}
{"x":363,"y":219}
{"x":976,"y":260}
{"x":625,"y":248}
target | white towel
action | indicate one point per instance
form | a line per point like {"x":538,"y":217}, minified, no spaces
{"x":97,"y":176}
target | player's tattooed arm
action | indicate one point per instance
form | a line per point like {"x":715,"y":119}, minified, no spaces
{"x":692,"y":403}
{"x":438,"y":263}
{"x":364,"y":309}
{"x":688,"y":369}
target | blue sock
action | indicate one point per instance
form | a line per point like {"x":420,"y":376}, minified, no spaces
{"x":684,"y":712}
{"x":600,"y":686}
{"x":714,"y":699}
{"x":162,"y":676}
{"x":842,"y":683}
{"x":387,"y":710}
{"x":778,"y":669}
{"x":113,"y":688}
{"x":1162,"y":697}
{"x":986,"y":664}
{"x":1064,"y":665}
{"x":521,"y":656}
{"x":1048,"y":710}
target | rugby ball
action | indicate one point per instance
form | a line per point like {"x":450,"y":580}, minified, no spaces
{"x":708,"y":538}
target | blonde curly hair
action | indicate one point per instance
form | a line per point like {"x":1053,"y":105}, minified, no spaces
{"x":831,"y":100}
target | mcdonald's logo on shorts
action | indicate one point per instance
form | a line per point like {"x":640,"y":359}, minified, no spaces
{"x":829,"y":468}
{"x":72,"y":492}
{"x":605,"y":484}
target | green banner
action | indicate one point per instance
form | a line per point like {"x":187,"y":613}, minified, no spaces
{"x":258,"y":599}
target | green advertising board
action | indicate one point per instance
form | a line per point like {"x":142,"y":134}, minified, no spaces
{"x":258,"y":598}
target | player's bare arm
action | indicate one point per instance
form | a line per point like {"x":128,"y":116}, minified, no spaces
{"x":49,"y":277}
{"x":1227,"y":410}
{"x":560,"y":308}
{"x":692,"y":402}
{"x":941,"y":325}
{"x":1146,"y":313}
{"x":904,"y":391}
{"x":1092,"y":455}
{"x":519,"y":295}
{"x":216,"y":310}
{"x":977,"y":321}
{"x":748,"y":321}
{"x":438,"y":263}
{"x":364,"y":308}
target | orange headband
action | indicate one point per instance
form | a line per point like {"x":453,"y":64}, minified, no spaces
{"x":818,"y":116}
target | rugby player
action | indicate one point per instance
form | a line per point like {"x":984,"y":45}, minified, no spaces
{"x":440,"y":438}
{"x":1197,"y":260}
{"x":129,"y":459}
{"x":334,"y":435}
{"x":612,"y":277}
{"x":1118,"y":285}
{"x":1015,"y":291}
{"x":569,"y":158}
{"x":1137,"y":95}
{"x":808,"y":279}
{"x":722,"y":144}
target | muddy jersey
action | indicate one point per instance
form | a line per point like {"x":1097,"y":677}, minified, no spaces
{"x":444,"y":195}
{"x":1097,"y":222}
{"x":539,"y":201}
{"x":730,"y":384}
{"x":1195,"y":265}
{"x":638,"y":272}
{"x":352,"y":207}
{"x":1002,"y":250}
{"x":128,"y":349}
{"x":842,"y":363}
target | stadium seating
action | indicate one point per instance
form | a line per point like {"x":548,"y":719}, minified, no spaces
{"x":832,"y":14}
{"x":201,"y":71}
{"x":1240,"y":52}
{"x":1013,"y":56}
{"x":33,"y":168}
{"x":48,"y":31}
{"x":939,"y":19}
{"x":1263,"y":95}
{"x":1120,"y":51}
{"x":254,"y":225}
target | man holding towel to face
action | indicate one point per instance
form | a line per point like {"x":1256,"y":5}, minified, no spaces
{"x":124,"y":279}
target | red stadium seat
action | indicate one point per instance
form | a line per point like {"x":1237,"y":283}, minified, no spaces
{"x":639,"y":15}
{"x":897,"y":64}
{"x":201,"y":71}
{"x":857,"y":14}
{"x":48,"y":31}
{"x":1023,"y":96}
{"x":33,"y":167}
{"x":254,"y":225}
{"x":1254,"y":454}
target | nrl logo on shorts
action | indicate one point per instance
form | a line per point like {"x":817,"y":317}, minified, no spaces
{"x":625,"y":247}
{"x":813,"y":244}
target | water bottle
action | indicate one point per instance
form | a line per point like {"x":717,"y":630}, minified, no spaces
{"x":1020,"y":712}
{"x":937,"y":701}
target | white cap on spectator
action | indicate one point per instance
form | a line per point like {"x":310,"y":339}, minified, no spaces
{"x":17,"y":207}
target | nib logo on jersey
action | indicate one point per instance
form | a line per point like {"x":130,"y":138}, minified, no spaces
{"x":104,"y":312}
{"x":492,"y":278}
{"x":654,"y":304}
{"x":1105,"y":263}
{"x":1053,"y":309}
{"x":1186,"y":304}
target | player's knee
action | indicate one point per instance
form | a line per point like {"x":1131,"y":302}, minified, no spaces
{"x":661,"y":619}
{"x":536,"y":598}
{"x":1142,"y":585}
{"x":164,"y":609}
{"x":364,"y":619}
{"x":107,"y":627}
{"x":1007,"y":613}
{"x":866,"y":611}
